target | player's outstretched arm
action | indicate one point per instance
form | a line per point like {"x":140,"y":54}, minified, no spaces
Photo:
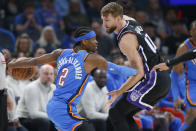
{"x":29,"y":62}
{"x":185,"y":57}
{"x":96,"y":61}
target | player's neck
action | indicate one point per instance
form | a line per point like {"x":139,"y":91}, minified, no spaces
{"x":121,"y":24}
{"x":77,"y":49}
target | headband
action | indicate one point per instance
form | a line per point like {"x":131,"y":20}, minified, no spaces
{"x":86,"y":36}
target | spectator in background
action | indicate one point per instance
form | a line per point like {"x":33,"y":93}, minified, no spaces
{"x":94,"y":99}
{"x":39,"y":52}
{"x":105,"y":43}
{"x":48,"y":16}
{"x":129,"y":7}
{"x":141,"y":17}
{"x":27,"y":20}
{"x":164,"y":27}
{"x":47,"y":40}
{"x":155,"y":12}
{"x":32,"y":107}
{"x":62,"y":6}
{"x":23,"y":45}
{"x":176,"y":38}
{"x":150,"y":30}
{"x":68,"y":39}
{"x":93,"y":9}
{"x":75,"y":18}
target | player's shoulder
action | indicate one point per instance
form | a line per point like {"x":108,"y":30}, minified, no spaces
{"x":182,"y":48}
{"x":128,"y":18}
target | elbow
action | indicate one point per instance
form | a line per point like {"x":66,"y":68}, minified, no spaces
{"x":140,"y":74}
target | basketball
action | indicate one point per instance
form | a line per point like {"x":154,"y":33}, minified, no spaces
{"x":23,"y":73}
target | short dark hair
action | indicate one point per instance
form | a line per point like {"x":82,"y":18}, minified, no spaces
{"x":80,"y":31}
{"x":112,"y":8}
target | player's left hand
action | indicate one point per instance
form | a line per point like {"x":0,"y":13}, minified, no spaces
{"x":161,"y":67}
{"x":114,"y":95}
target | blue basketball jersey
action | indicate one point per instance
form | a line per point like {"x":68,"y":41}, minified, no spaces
{"x":190,"y":66}
{"x":71,"y":76}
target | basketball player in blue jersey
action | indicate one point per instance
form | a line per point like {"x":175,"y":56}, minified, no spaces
{"x":144,"y":90}
{"x":188,"y":52}
{"x":73,"y":67}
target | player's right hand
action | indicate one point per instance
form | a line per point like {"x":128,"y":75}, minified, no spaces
{"x":161,"y":67}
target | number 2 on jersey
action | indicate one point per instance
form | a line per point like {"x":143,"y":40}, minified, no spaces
{"x":64,"y":73}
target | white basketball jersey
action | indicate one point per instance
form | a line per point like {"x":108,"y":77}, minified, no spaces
{"x":2,"y":71}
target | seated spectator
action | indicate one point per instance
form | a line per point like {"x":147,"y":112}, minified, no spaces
{"x":31,"y":110}
{"x":141,"y":17}
{"x":173,"y":102}
{"x":75,"y":18}
{"x":68,"y":39}
{"x":176,"y":38}
{"x":48,"y":16}
{"x":47,"y":40}
{"x":93,"y":9}
{"x":94,"y":99}
{"x":150,"y":30}
{"x":105,"y":43}
{"x":27,"y":21}
{"x":13,"y":122}
{"x":39,"y":52}
{"x":155,"y":12}
{"x":23,"y":45}
{"x":129,"y":7}
{"x":164,"y":27}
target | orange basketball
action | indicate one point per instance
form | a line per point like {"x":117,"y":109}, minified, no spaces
{"x":23,"y":73}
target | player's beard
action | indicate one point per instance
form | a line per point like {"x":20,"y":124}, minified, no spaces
{"x":110,"y":30}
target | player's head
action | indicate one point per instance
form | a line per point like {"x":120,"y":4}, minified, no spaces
{"x":85,"y":37}
{"x":193,"y":29}
{"x":111,"y":14}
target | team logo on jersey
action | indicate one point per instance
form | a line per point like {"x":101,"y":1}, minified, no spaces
{"x":135,"y":95}
{"x":138,"y":29}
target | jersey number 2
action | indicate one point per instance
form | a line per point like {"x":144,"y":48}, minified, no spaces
{"x":64,"y":73}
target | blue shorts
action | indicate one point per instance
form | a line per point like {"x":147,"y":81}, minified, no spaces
{"x":190,"y":100}
{"x":63,"y":115}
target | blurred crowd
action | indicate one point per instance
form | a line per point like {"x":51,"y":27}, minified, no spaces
{"x":33,"y":28}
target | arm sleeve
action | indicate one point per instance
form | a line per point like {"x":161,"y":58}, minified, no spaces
{"x":120,"y":70}
{"x":185,"y":57}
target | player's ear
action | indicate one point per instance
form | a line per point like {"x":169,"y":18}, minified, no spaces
{"x":84,"y":42}
{"x":119,"y":18}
